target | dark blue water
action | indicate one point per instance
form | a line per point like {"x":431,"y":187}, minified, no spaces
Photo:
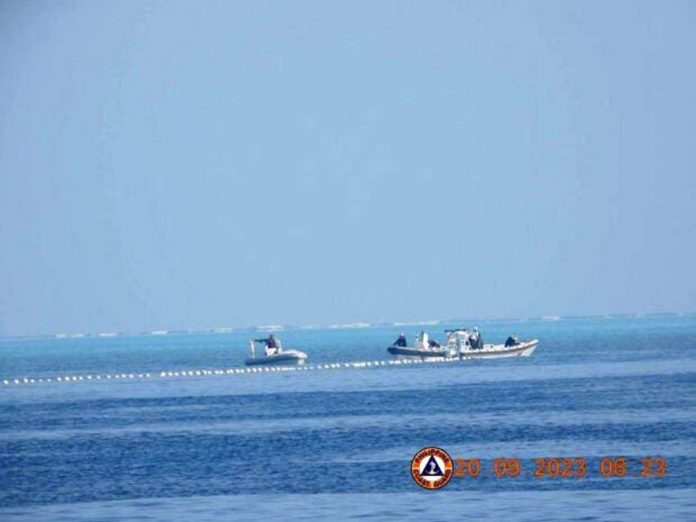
{"x":337,"y":442}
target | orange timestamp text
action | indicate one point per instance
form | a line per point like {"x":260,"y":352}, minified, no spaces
{"x":560,"y":467}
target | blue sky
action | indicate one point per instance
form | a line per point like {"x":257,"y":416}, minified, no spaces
{"x":185,"y":164}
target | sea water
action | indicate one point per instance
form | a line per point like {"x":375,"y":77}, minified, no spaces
{"x":169,"y":427}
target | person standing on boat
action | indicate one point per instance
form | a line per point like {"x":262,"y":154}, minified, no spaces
{"x":401,"y":341}
{"x":422,"y":341}
{"x":476,"y":340}
{"x":272,"y":345}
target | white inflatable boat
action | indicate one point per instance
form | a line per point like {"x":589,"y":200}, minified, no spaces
{"x":274,"y":357}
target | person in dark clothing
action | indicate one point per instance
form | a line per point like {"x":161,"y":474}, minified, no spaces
{"x":511,"y":341}
{"x":270,"y":342}
{"x":401,"y":341}
{"x":272,"y":345}
{"x":476,"y":340}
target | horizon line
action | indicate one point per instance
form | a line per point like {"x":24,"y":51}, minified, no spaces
{"x":343,"y":325}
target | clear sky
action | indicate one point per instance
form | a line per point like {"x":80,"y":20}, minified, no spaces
{"x":198,"y":164}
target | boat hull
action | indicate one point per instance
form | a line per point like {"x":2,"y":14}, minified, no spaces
{"x":498,"y":351}
{"x":289,"y":357}
{"x":409,"y":351}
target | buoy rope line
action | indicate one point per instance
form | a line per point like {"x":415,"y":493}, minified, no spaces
{"x":168,"y":374}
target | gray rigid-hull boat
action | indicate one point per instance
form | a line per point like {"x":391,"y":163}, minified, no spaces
{"x":459,"y":346}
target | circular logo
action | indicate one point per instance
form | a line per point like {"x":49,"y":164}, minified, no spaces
{"x":431,"y":468}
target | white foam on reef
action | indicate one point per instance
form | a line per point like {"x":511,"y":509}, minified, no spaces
{"x":428,"y":322}
{"x":223,"y":330}
{"x":271,"y":328}
{"x":349,"y":325}
{"x":218,"y":372}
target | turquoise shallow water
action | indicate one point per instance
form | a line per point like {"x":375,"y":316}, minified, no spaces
{"x":337,"y":442}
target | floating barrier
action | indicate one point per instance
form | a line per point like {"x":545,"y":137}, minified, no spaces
{"x":175,"y":374}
